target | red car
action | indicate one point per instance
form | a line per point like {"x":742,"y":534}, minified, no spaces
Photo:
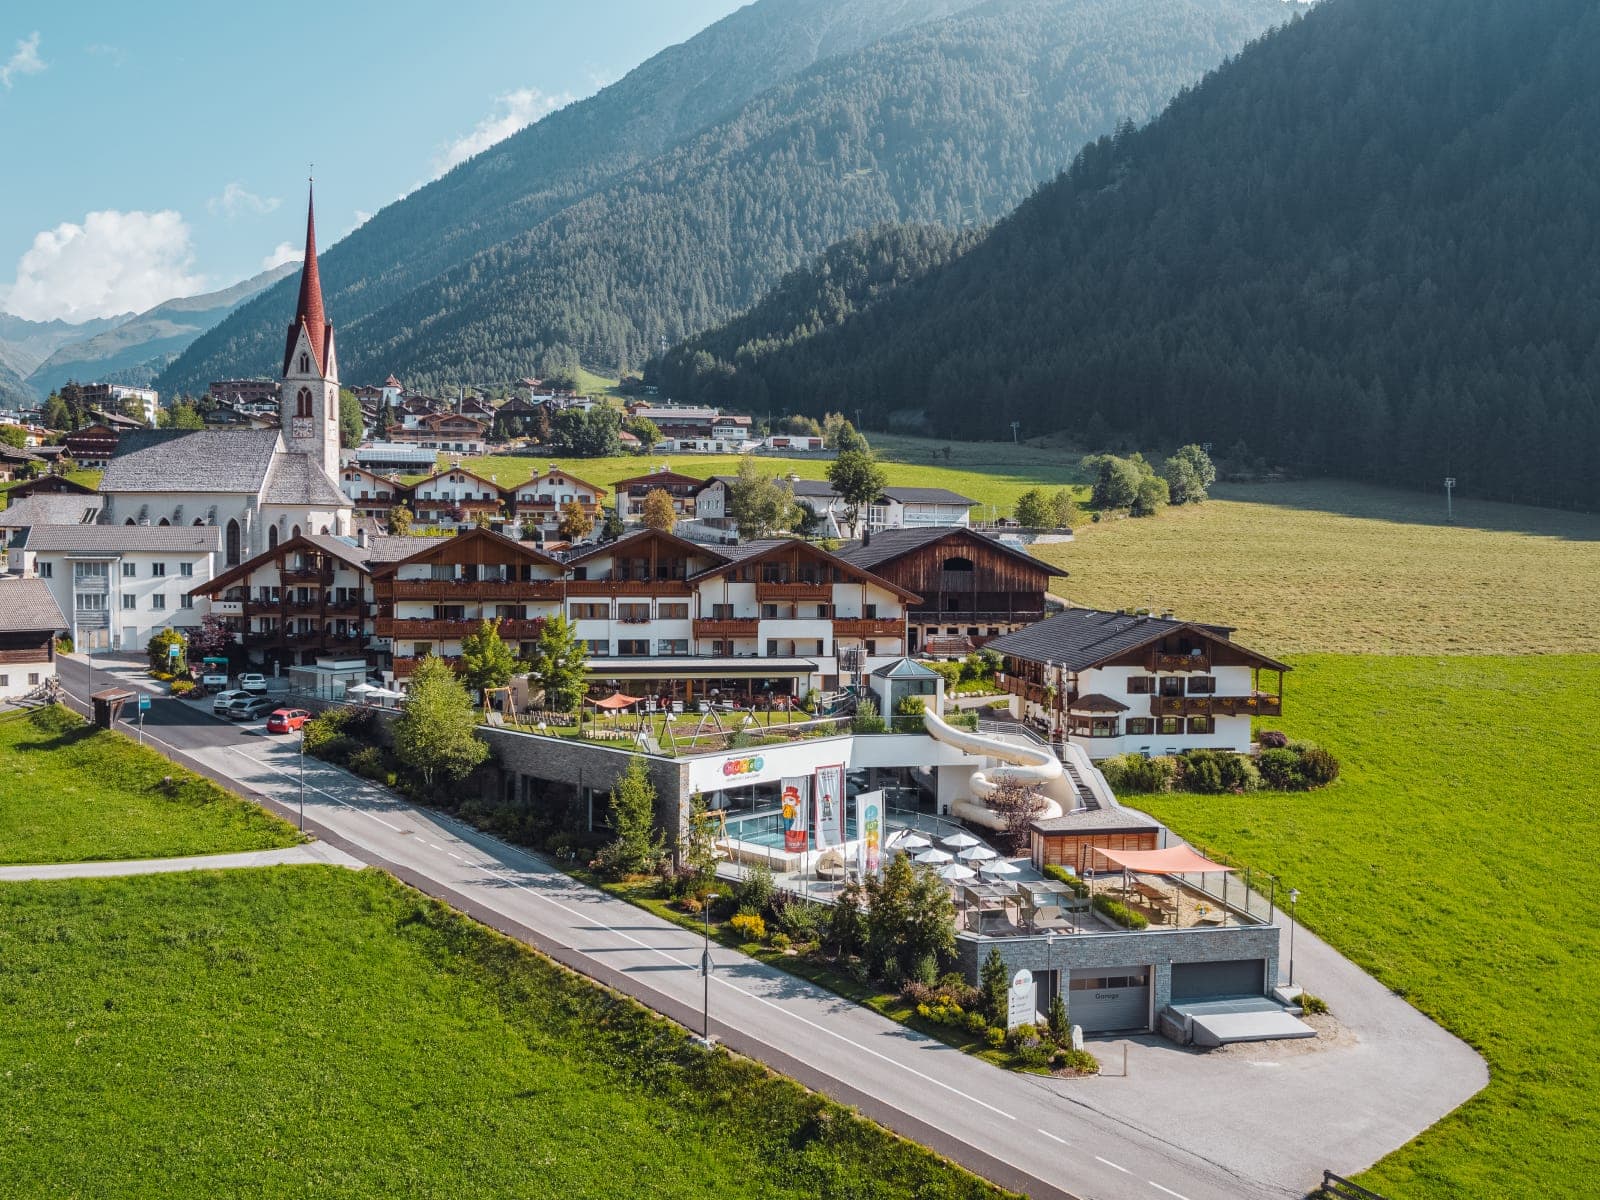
{"x":284,"y":719}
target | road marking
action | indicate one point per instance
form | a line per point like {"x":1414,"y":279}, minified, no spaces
{"x":1053,"y":1137}
{"x":455,"y":856}
{"x":1167,"y":1190}
{"x":1113,"y":1165}
{"x":310,"y":787}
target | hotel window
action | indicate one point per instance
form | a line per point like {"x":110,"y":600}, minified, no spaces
{"x":672,"y":612}
{"x":187,"y":601}
{"x":1139,"y":685}
{"x":91,"y":601}
{"x":1139,"y":726}
{"x":421,"y":649}
{"x":1172,"y":685}
{"x":633,"y":647}
{"x":186,"y":570}
{"x":1103,"y":727}
{"x":33,"y":679}
{"x":1202,"y":685}
{"x":47,"y":570}
{"x":1171,"y":725}
{"x":633,"y":614}
{"x":591,"y":612}
{"x":1199,"y":724}
{"x":5,"y":681}
{"x":769,"y":612}
{"x":824,"y":612}
{"x":129,"y":603}
{"x":158,"y":602}
{"x":158,"y":570}
{"x":871,"y":648}
{"x":129,"y":570}
{"x":672,"y":645}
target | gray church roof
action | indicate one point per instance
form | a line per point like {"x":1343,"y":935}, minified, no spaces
{"x":206,"y":460}
{"x":296,"y":478}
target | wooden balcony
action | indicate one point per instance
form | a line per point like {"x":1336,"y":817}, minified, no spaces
{"x":820,"y":592}
{"x":868,"y":627}
{"x":1180,"y":662}
{"x":1180,"y":706}
{"x":1259,"y":705}
{"x":409,"y":628}
{"x":727,"y":627}
{"x":450,"y":591}
{"x":404,"y":668}
{"x":628,"y":587}
{"x":307,"y":575}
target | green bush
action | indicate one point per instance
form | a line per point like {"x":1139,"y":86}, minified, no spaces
{"x":996,"y":1037}
{"x":1318,"y":767}
{"x":975,"y":1023}
{"x":63,"y":645}
{"x":370,"y":761}
{"x":1136,"y":773}
{"x":184,"y":687}
{"x":1312,"y":1005}
{"x":1062,"y":875}
{"x":778,"y":940}
{"x":749,"y":926}
{"x":1079,"y":1062}
{"x":754,"y":892}
{"x":1280,"y":768}
{"x":867,"y":719}
{"x":924,"y":969}
{"x":1272,"y":739}
{"x":1120,"y":913}
{"x":801,"y":920}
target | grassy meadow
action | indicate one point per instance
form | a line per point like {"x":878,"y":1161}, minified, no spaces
{"x":72,"y":793}
{"x":1454,"y":861}
{"x":308,"y":1031}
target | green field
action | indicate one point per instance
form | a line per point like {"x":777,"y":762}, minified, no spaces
{"x":308,"y":1031}
{"x":70,"y":793}
{"x":1454,"y":860}
{"x":1349,"y":568}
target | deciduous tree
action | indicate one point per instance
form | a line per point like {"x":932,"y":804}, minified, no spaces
{"x":558,"y":664}
{"x":486,"y":660}
{"x":759,"y":503}
{"x":576,"y":523}
{"x":659,"y":511}
{"x":437,"y":733}
{"x":858,"y":480}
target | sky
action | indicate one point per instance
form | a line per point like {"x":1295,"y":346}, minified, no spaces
{"x":161,"y":149}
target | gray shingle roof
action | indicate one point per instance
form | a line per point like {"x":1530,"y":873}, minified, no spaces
{"x":391,"y":549}
{"x":1080,"y":638}
{"x":1096,"y":820}
{"x":890,"y":544}
{"x":26,"y":606}
{"x":111,"y":539}
{"x":50,"y":508}
{"x":206,"y":460}
{"x":927,"y":495}
{"x":297,"y":478}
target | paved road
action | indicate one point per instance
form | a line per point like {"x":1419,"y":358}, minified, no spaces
{"x":1092,"y":1138}
{"x":315,"y":852}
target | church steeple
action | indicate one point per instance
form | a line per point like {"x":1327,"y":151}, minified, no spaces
{"x":309,"y":314}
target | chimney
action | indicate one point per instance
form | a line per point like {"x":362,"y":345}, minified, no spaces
{"x":361,"y":536}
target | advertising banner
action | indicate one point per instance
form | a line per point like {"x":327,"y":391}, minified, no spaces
{"x":829,"y":795}
{"x":869,"y":831}
{"x":1020,"y":1000}
{"x":796,"y":826}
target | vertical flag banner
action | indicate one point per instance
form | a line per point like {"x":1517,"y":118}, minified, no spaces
{"x":829,"y":792}
{"x":796,"y":825}
{"x":869,"y":829}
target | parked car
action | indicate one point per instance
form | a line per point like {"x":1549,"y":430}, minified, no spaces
{"x":223,"y":699}
{"x":247,"y":708}
{"x":214,"y":683}
{"x":285,"y":719}
{"x":256,"y":685}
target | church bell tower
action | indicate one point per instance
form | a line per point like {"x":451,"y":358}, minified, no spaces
{"x":309,"y":403}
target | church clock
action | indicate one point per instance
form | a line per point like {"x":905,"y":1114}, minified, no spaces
{"x":302,"y":427}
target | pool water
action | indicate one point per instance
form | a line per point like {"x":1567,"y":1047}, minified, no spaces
{"x":767,"y":830}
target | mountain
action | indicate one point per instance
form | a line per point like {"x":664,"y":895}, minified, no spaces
{"x":951,"y":120}
{"x":25,"y":344}
{"x":1366,"y":247}
{"x":122,"y":353}
{"x":549,"y":165}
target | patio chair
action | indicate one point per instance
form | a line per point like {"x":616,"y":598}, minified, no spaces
{"x":830,"y":864}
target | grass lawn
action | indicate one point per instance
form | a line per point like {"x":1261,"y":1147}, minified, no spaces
{"x":71,"y":793}
{"x":1349,"y":568}
{"x":307,"y":1031}
{"x":1454,"y":860}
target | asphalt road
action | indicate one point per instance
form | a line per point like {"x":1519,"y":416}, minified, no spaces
{"x":1045,"y":1137}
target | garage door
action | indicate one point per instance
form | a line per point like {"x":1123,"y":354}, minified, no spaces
{"x":1235,"y":977}
{"x":1102,"y":999}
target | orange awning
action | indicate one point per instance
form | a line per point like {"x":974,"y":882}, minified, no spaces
{"x":615,"y":701}
{"x":1176,"y":860}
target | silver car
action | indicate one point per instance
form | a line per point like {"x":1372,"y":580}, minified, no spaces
{"x":222,"y":699}
{"x":248,"y":708}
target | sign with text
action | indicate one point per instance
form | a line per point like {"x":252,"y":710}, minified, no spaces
{"x":869,"y":831}
{"x":829,"y":796}
{"x":796,"y":822}
{"x":144,"y":703}
{"x":1020,"y":1000}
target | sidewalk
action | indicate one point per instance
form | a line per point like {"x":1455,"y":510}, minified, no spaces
{"x":312,"y":852}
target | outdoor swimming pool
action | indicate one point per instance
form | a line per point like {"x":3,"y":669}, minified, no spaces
{"x":766,"y":829}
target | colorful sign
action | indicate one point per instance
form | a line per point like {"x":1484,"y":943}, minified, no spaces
{"x":743,"y":766}
{"x":1020,"y":999}
{"x":829,"y":792}
{"x":869,"y":831}
{"x":796,"y":826}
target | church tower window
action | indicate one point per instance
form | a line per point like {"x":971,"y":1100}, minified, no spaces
{"x":305,"y":364}
{"x":302,"y":402}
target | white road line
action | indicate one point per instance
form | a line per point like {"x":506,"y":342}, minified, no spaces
{"x":310,"y":787}
{"x":1167,"y":1190}
{"x":455,"y":856}
{"x":1113,"y":1165}
{"x":1053,"y":1137}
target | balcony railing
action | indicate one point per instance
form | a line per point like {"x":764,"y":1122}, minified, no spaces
{"x":628,"y":587}
{"x":1180,"y":662}
{"x":930,"y":616}
{"x":413,"y":628}
{"x":306,"y":575}
{"x":1259,"y":705}
{"x":726,"y":627}
{"x":447,"y":591}
{"x":405,"y":667}
{"x":868,"y":627}
{"x":794,"y":591}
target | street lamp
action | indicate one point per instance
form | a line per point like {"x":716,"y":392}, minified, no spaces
{"x":1294,"y":896}
{"x":1049,"y":968}
{"x":302,"y":779}
{"x":706,"y":967}
{"x":1449,"y":508}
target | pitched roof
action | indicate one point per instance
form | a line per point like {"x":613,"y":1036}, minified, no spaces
{"x":27,"y":606}
{"x":1081,"y":638}
{"x":429,"y":547}
{"x":388,"y":549}
{"x":927,"y":495}
{"x":725,"y":553}
{"x":803,"y":489}
{"x":206,"y":460}
{"x":890,"y":544}
{"x":132,"y":539}
{"x":659,"y":477}
{"x":297,"y":478}
{"x":763,"y":546}
{"x":342,"y":548}
{"x":51,"y":508}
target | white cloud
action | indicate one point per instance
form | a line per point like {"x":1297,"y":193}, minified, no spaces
{"x":284,"y":252}
{"x":25,"y":61}
{"x":513,"y":111}
{"x":362,"y":217}
{"x":114,"y":262}
{"x":236,"y":200}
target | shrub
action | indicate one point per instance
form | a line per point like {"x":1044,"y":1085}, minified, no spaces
{"x":1272,"y":739}
{"x":994,"y":981}
{"x":995,"y":1037}
{"x":811,"y":700}
{"x":801,"y":920}
{"x":369,"y":761}
{"x":1022,"y":1035}
{"x":778,"y":940}
{"x":1202,"y":772}
{"x":1318,"y":768}
{"x":953,"y":988}
{"x":1079,"y":1062}
{"x":867,"y":719}
{"x":1280,"y":768}
{"x":755,"y":891}
{"x":184,"y":687}
{"x":975,"y":1023}
{"x":1062,"y":875}
{"x":1120,"y":913}
{"x":1060,"y":1027}
{"x":1312,"y":1005}
{"x":750,"y":926}
{"x":63,"y":645}
{"x":1136,"y":773}
{"x":692,"y":906}
{"x":924,"y":969}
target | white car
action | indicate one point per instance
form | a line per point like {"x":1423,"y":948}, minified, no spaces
{"x":256,"y":685}
{"x":223,"y":699}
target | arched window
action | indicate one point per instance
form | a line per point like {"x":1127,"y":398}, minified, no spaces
{"x":163,"y":521}
{"x":198,"y":521}
{"x":272,"y":537}
{"x":232,"y":540}
{"x":302,"y":403}
{"x":129,"y":521}
{"x":324,"y":531}
{"x":305,"y":364}
{"x":295,"y":532}
{"x":958,"y":564}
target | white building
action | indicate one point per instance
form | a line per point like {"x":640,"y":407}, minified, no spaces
{"x":405,"y":457}
{"x":541,"y":499}
{"x":896,"y":508}
{"x":119,"y":587}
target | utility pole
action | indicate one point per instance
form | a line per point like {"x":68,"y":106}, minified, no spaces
{"x":1294,"y":898}
{"x":302,"y":779}
{"x":1014,"y":426}
{"x":706,"y":967}
{"x":1449,"y":507}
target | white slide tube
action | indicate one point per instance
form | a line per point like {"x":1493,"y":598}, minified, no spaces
{"x":1030,"y":765}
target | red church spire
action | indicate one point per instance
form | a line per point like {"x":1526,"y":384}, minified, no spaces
{"x":308,"y":310}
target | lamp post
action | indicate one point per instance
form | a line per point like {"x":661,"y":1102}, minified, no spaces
{"x":706,"y":968}
{"x":1049,"y":966}
{"x":1449,"y":508}
{"x":1294,"y":896}
{"x":302,"y":779}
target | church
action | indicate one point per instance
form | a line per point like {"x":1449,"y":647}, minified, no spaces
{"x":259,"y":486}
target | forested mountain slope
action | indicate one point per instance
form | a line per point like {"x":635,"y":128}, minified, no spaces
{"x":545,"y":167}
{"x":952,"y":121}
{"x":1366,"y":247}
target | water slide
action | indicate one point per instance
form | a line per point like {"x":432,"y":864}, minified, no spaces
{"x":1031,"y":765}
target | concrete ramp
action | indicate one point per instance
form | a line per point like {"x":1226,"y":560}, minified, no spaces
{"x":1240,"y":1019}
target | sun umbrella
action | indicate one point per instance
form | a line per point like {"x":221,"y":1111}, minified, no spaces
{"x":1000,"y":867}
{"x":977,"y":853}
{"x":956,"y":873}
{"x":913,"y":841}
{"x":932,"y":857}
{"x":959,"y":840}
{"x":360,"y":689}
